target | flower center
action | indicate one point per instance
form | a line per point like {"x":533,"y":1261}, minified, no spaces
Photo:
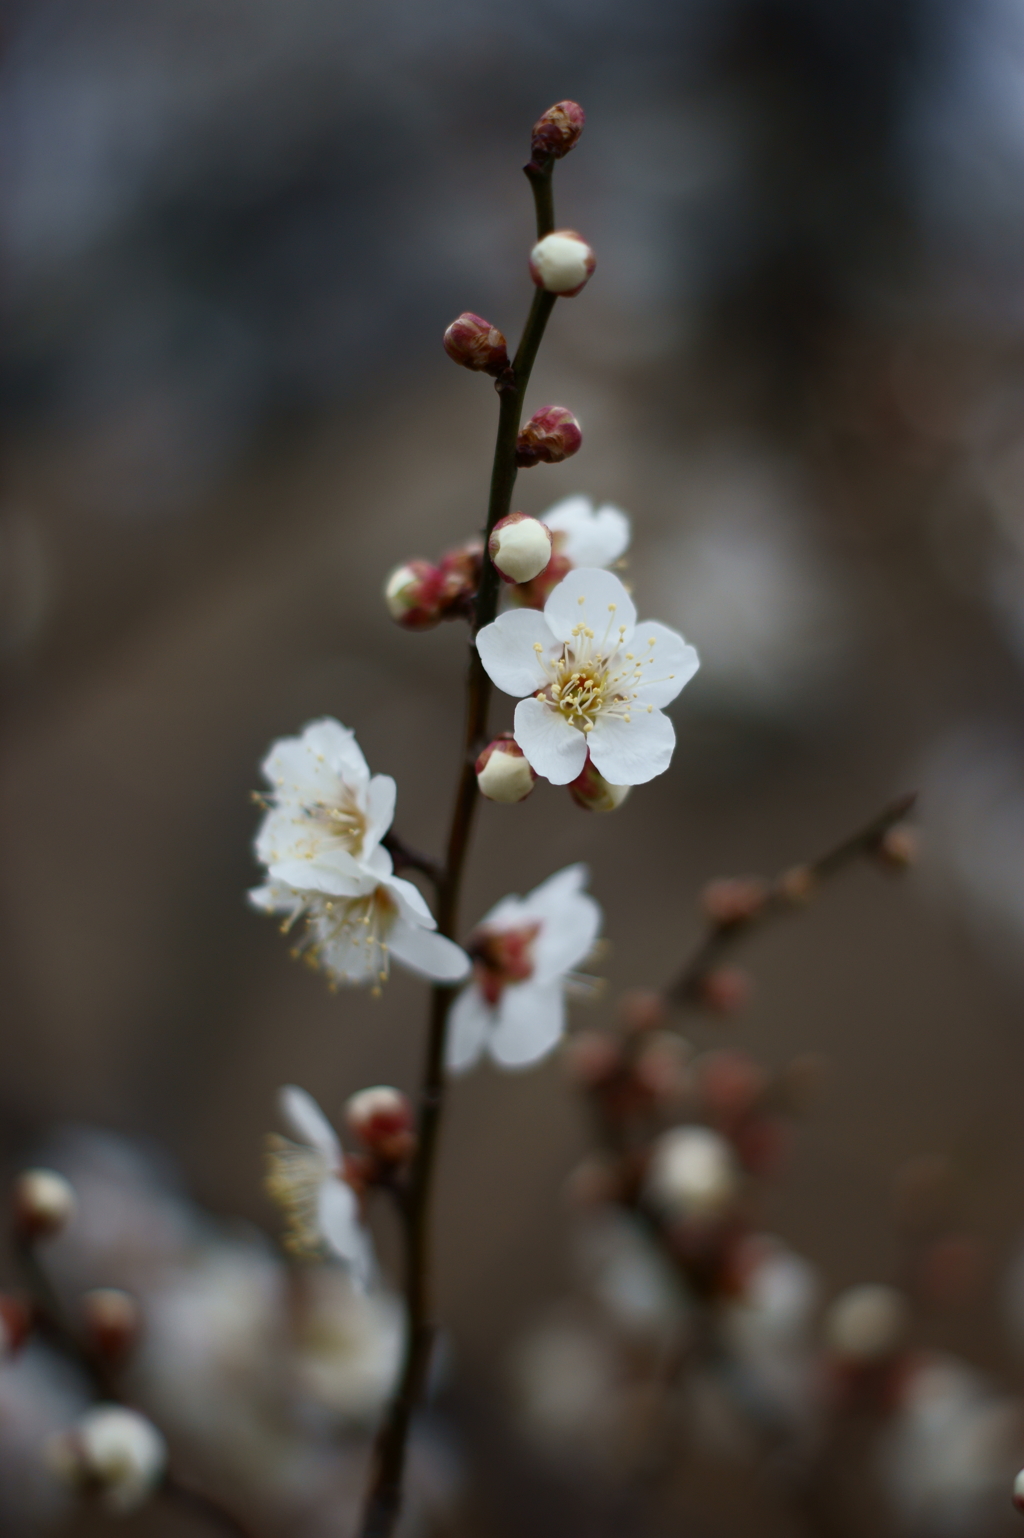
{"x":500,"y":957}
{"x":595,"y":677}
{"x":343,"y":822}
{"x":347,"y":936}
{"x":294,"y":1177}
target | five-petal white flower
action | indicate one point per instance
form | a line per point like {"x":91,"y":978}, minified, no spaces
{"x":321,"y":844}
{"x":592,"y":679}
{"x":307,"y":1179}
{"x":523,"y":952}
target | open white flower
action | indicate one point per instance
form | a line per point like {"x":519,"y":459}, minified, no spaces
{"x":585,"y":535}
{"x":523,"y":951}
{"x":307,"y":1180}
{"x":320,"y":842}
{"x":592,"y":678}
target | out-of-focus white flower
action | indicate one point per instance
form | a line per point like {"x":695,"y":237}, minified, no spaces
{"x":523,"y":952}
{"x":630,"y":1277}
{"x":112,"y":1450}
{"x":580,"y":536}
{"x":866,"y":1323}
{"x":692,"y":1175}
{"x":568,"y":1382}
{"x":951,"y":1450}
{"x":306,"y":1178}
{"x":320,"y":842}
{"x":592,"y":679}
{"x":768,"y":1330}
{"x":348,"y":1346}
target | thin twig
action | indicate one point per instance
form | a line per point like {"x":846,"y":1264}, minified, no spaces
{"x":385,"y":1489}
{"x":787,"y":894}
{"x":407,"y":858}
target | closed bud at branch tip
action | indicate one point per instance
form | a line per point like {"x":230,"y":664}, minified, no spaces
{"x":556,"y":131}
{"x":382,"y":1119}
{"x":520,"y":547}
{"x":734,"y":899}
{"x":502,"y":772}
{"x":112,"y":1320}
{"x":898,"y":848}
{"x":476,"y":344}
{"x":594,"y":793}
{"x":551,"y":435}
{"x":562,"y":263}
{"x":412,"y":594}
{"x":44,"y":1202}
{"x":723,"y":990}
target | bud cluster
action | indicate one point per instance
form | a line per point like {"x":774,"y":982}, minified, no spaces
{"x":420,"y":595}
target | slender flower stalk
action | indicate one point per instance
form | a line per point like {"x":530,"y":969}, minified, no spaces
{"x":385,"y":1490}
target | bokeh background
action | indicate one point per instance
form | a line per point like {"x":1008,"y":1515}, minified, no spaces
{"x":233,"y":235}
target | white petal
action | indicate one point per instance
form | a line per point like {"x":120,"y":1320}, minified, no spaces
{"x":507,"y":651}
{"x":468,"y":1026}
{"x":555,"y":749}
{"x":598,"y":599}
{"x":546,"y":899}
{"x":335,"y":873}
{"x":327,"y":739}
{"x":635,"y":751}
{"x":669,"y":664}
{"x":428,"y":953}
{"x":308,"y":1124}
{"x":380,"y":810}
{"x":346,"y":956}
{"x":274,"y":898}
{"x":589,"y":538}
{"x":412,"y":905}
{"x":531,"y":1020}
{"x":341,"y":1228}
{"x":567,"y":938}
{"x":309,"y":767}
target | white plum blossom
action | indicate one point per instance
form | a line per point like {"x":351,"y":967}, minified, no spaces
{"x":588,"y":677}
{"x":585,"y":535}
{"x":524,"y":952}
{"x":307,"y":1180}
{"x":321,"y":844}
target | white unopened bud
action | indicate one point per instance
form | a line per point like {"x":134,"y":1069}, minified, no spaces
{"x":692,"y":1175}
{"x":502,"y":771}
{"x":562,"y":262}
{"x":44,"y":1202}
{"x":520,"y":547}
{"x":114,"y":1452}
{"x":411,"y":593}
{"x":868,"y":1323}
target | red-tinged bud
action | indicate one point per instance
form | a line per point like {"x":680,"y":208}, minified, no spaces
{"x":898,"y":848}
{"x":662,"y":1068}
{"x":643,"y":1009}
{"x":112,"y":1320}
{"x":44,"y":1203}
{"x":551,"y":435}
{"x":476,"y":344}
{"x":502,"y":772}
{"x":730,"y":1083}
{"x":734,"y":899}
{"x":535,"y":594}
{"x":520,"y":547}
{"x":594,"y":793}
{"x":556,"y":131}
{"x":562,"y":263}
{"x":413,"y":595}
{"x":382,"y":1119}
{"x":724,"y":990}
{"x":15,"y":1323}
{"x":459,"y":571}
{"x":592,"y":1058}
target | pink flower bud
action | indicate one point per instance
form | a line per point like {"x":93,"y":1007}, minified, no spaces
{"x":562,"y":263}
{"x":412,"y":594}
{"x":476,"y":344}
{"x":552,"y":434}
{"x":642,"y":1009}
{"x":724,"y":990}
{"x":44,"y":1202}
{"x":459,"y":578}
{"x":734,"y":899}
{"x":557,"y":130}
{"x":594,"y":793}
{"x":112,"y":1319}
{"x":382,"y":1119}
{"x":15,"y":1323}
{"x":520,"y":547}
{"x":592,"y":1058}
{"x":502,"y":772}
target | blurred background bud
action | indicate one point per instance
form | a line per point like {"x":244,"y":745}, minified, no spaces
{"x":43,"y":1203}
{"x":113,"y":1453}
{"x":592,"y":1057}
{"x":724,"y":990}
{"x":691,"y":1175}
{"x":898,"y":848}
{"x":111,"y":1318}
{"x":556,"y":131}
{"x":412,"y":594}
{"x":551,"y":435}
{"x":562,"y":263}
{"x":520,"y":547}
{"x":733,"y":899}
{"x":642,"y":1009}
{"x":476,"y":344}
{"x":502,"y":771}
{"x":594,"y":793}
{"x":867,"y":1323}
{"x":383,"y":1121}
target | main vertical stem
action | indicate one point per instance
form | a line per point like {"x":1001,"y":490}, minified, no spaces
{"x":385,"y":1493}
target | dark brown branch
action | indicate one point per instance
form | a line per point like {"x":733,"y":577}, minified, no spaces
{"x":385,"y":1491}
{"x":407,"y":858}
{"x":788,"y":893}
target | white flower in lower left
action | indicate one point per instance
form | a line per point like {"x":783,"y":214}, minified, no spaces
{"x":112,"y":1451}
{"x":307,"y":1180}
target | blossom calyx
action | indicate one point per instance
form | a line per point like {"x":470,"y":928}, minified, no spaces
{"x":112,"y":1321}
{"x":594,"y":793}
{"x":382,"y":1119}
{"x":556,"y":131}
{"x":476,"y":344}
{"x":502,"y":771}
{"x":520,"y":547}
{"x":44,"y":1203}
{"x":412,"y":594}
{"x":562,"y":263}
{"x":551,"y":435}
